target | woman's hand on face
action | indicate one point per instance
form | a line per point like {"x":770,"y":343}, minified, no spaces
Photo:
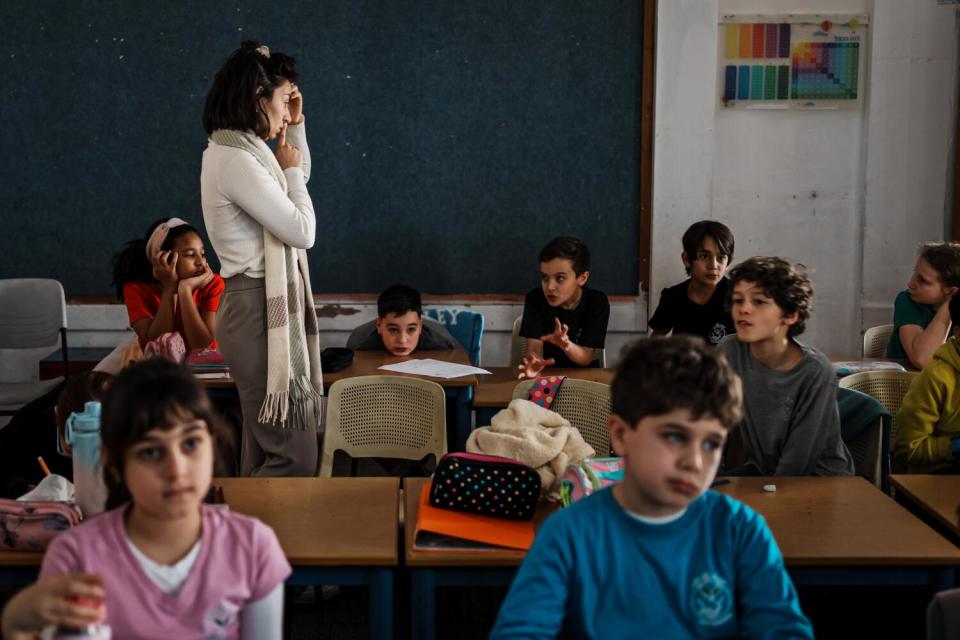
{"x":165,"y":268}
{"x":191,"y":284}
{"x":296,"y":105}
{"x":287,"y":155}
{"x":73,"y":600}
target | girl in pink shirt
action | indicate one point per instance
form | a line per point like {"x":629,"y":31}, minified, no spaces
{"x":165,"y":564}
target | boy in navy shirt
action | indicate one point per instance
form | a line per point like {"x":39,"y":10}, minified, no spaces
{"x":698,"y":305}
{"x":564,"y":321}
{"x":658,"y":555}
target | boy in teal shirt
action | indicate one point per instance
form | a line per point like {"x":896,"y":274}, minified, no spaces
{"x":658,"y":555}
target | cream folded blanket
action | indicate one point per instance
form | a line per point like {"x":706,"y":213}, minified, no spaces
{"x":536,"y":437}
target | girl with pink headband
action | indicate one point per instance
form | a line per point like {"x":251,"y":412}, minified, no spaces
{"x":167,"y":286}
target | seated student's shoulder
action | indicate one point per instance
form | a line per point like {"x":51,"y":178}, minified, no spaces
{"x":365,"y":337}
{"x":434,"y":336}
{"x":907,"y":311}
{"x":595,"y":299}
{"x":732,"y":348}
{"x":817,"y":366}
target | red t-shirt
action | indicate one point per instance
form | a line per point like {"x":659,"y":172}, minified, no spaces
{"x":143,"y":301}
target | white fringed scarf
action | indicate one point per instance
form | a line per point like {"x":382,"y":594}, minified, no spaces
{"x":294,"y":379}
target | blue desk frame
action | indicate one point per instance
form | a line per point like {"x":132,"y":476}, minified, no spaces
{"x":424,"y":582}
{"x":378,"y":580}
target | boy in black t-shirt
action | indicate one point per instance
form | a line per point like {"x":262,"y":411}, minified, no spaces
{"x":698,"y":305}
{"x":564,"y":322}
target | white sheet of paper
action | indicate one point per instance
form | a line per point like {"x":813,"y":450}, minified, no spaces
{"x":433,"y":368}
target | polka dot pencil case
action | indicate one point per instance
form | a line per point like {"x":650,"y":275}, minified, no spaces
{"x":487,"y":485}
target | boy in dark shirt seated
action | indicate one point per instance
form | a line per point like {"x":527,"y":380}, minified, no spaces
{"x":697,"y":306}
{"x":399,"y":328}
{"x":564,"y":321}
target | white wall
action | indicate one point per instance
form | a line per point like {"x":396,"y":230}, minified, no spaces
{"x":804,"y":184}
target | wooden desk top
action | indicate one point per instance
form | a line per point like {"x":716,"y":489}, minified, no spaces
{"x":496,"y":390}
{"x":367,"y":363}
{"x":937,"y":495}
{"x":411,"y":500}
{"x":319,"y":521}
{"x":841,"y":522}
{"x":817,"y":522}
{"x":324,"y":521}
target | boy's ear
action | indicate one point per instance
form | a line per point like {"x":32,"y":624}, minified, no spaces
{"x":617,"y":427}
{"x":379,"y":325}
{"x":790,"y":319}
{"x":582,"y":278}
{"x":950,"y":290}
{"x":686,"y":260}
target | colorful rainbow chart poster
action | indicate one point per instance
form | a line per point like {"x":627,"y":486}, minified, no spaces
{"x":791,"y":61}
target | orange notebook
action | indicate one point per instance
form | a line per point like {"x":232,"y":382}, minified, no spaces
{"x":446,"y":530}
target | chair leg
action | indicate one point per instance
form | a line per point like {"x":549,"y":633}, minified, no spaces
{"x":63,"y":350}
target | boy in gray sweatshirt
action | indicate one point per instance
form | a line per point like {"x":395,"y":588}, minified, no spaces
{"x":791,"y":426}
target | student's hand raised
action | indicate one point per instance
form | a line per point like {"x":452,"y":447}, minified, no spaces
{"x":287,"y":155}
{"x":191,"y":284}
{"x":72,"y":600}
{"x":532,"y":365}
{"x":559,"y":336}
{"x":295,"y":105}
{"x":165,"y":268}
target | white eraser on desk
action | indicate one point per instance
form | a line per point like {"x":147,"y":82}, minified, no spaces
{"x":772,"y":488}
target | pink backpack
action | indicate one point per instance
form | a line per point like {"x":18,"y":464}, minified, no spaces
{"x":169,"y":346}
{"x":31,"y":526}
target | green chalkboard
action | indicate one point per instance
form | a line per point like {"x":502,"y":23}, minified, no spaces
{"x":450,"y":140}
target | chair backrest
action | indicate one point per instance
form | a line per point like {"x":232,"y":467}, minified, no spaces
{"x":385,"y":417}
{"x":888,"y":387}
{"x":867,"y":452}
{"x":943,"y":616}
{"x":875,"y":340}
{"x":518,"y":347}
{"x":518,"y":344}
{"x":32,"y":312}
{"x":465,"y":326}
{"x":585,"y":405}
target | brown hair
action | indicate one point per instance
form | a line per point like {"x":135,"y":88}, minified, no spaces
{"x":694,"y":235}
{"x":783,"y":281}
{"x":658,"y":375}
{"x":944,"y":257}
{"x":149,"y":395}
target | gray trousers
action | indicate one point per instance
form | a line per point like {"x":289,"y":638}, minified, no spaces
{"x":267,"y":450}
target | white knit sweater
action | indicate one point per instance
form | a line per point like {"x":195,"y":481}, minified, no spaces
{"x":239,"y":198}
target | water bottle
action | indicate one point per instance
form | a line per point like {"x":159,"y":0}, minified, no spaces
{"x":99,"y":630}
{"x":83,"y":434}
{"x":90,"y":632}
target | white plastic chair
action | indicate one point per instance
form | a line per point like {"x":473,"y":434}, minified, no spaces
{"x":888,"y":387}
{"x":33,"y":324}
{"x":875,"y":340}
{"x":586,"y":406}
{"x":384,"y":417}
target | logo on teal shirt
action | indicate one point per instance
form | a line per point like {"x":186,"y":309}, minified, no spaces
{"x":711,"y":600}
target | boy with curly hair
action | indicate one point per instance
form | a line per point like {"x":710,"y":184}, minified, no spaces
{"x":791,"y":425}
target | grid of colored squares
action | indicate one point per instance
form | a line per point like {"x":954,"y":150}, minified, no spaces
{"x":825,"y":70}
{"x":756,"y":82}
{"x":758,"y":40}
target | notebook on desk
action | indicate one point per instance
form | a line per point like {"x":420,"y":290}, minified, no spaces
{"x":446,"y":530}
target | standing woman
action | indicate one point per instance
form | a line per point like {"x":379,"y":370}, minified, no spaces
{"x":260,"y":221}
